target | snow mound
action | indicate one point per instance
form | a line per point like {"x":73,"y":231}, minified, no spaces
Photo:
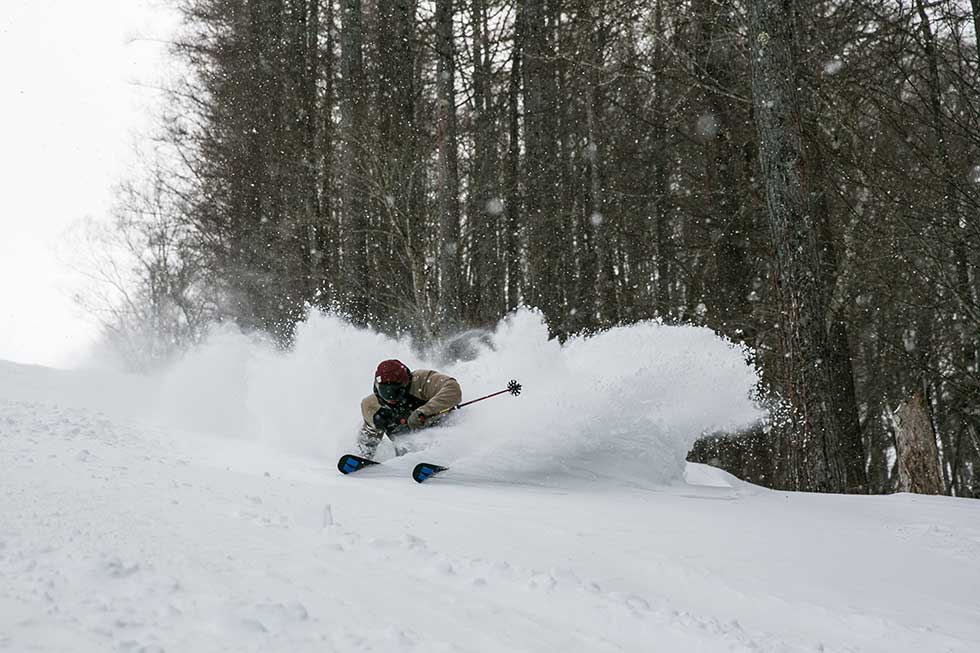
{"x":625,"y":403}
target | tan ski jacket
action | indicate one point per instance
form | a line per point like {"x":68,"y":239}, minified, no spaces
{"x":437,"y":391}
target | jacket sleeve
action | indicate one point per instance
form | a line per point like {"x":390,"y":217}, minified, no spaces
{"x":369,"y":406}
{"x":441,"y":392}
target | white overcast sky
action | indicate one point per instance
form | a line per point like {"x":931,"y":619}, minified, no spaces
{"x":71,"y":106}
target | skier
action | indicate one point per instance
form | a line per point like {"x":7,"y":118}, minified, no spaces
{"x":403,"y":400}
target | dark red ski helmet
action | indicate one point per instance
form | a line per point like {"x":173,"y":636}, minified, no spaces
{"x":391,"y":381}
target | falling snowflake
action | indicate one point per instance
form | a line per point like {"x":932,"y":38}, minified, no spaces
{"x":833,"y":66}
{"x":597,"y":219}
{"x":495,"y":207}
{"x":706,"y":127}
{"x":908,"y":339}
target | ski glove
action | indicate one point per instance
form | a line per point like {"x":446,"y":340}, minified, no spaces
{"x":416,"y":420}
{"x":386,"y":418}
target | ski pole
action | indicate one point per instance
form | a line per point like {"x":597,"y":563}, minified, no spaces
{"x":513,"y":387}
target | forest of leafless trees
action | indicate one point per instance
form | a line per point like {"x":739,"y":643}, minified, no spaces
{"x":801,"y":177}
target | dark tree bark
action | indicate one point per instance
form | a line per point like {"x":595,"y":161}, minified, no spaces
{"x":312,"y":164}
{"x":592,"y":284}
{"x":487,"y":235}
{"x":400,"y":146}
{"x":547,"y":236}
{"x":356,"y":281}
{"x":975,"y":6}
{"x":327,"y":240}
{"x":915,"y":441}
{"x":817,"y":415}
{"x":514,"y":204}
{"x":727,"y":219}
{"x":447,"y":179}
{"x":661,"y":174}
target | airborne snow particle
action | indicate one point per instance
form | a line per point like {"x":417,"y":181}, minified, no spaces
{"x":908,"y":340}
{"x":597,"y":219}
{"x":833,"y":66}
{"x":495,"y":207}
{"x":706,"y":127}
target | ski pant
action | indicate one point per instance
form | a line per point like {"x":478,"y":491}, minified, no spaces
{"x":369,"y":437}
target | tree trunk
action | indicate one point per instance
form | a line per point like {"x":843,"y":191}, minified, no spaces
{"x":515,"y":277}
{"x":448,"y":176}
{"x":313,"y":254}
{"x":731,"y":274}
{"x":815,"y":420}
{"x":661,"y":177}
{"x":354,"y":217}
{"x":975,"y":6}
{"x":590,"y":293}
{"x":966,"y":358}
{"x":327,"y":243}
{"x":546,"y":238}
{"x":918,"y":456}
{"x":486,"y":237}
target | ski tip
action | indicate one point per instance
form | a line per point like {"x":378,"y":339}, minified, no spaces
{"x":424,"y":471}
{"x":350,"y":463}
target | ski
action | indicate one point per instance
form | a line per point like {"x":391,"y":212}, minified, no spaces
{"x":349,"y":463}
{"x":424,"y":471}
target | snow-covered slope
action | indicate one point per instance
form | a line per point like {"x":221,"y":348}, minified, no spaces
{"x":201,"y":511}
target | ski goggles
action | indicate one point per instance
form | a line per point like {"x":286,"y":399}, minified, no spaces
{"x":392,"y":392}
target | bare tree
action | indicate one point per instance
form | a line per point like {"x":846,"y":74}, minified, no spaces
{"x":915,"y":443}
{"x":448,"y":178}
{"x":145,"y":284}
{"x":818,"y":432}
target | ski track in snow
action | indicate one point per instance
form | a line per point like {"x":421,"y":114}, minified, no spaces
{"x":165,"y":515}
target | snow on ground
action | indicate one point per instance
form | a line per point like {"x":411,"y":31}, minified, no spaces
{"x":202,"y":511}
